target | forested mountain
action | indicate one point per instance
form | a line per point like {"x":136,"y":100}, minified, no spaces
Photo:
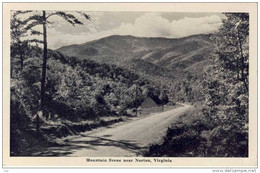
{"x":77,"y":84}
{"x":170,"y":53}
{"x":177,"y":65}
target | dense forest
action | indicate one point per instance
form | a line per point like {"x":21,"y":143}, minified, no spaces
{"x":177,"y":65}
{"x":75,"y":90}
{"x":66,"y":92}
{"x":218,"y":127}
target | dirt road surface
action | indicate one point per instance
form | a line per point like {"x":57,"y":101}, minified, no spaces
{"x":127,"y":139}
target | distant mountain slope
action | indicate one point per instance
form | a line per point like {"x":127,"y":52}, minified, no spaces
{"x":176,"y":65}
{"x":170,"y":53}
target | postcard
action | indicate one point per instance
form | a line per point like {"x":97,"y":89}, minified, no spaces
{"x":130,"y":84}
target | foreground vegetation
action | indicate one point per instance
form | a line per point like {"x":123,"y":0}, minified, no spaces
{"x":195,"y":135}
{"x":75,"y":91}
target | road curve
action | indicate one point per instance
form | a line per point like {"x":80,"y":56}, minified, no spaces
{"x":126,"y":139}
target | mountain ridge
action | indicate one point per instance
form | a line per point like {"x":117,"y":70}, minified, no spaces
{"x":177,"y":65}
{"x":110,"y":36}
{"x":165,"y":52}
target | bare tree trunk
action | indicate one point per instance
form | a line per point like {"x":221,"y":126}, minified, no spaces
{"x":237,"y":68}
{"x":135,"y":100}
{"x":242,"y":57}
{"x":11,"y":72}
{"x":20,"y":47}
{"x":37,"y":124}
{"x":21,"y":60}
{"x":242,"y":61}
{"x":44,"y":64}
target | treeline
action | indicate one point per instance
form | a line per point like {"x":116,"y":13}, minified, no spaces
{"x":218,"y":127}
{"x":179,"y":85}
{"x":76,"y":89}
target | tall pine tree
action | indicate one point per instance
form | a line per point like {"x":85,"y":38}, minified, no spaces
{"x":41,"y":18}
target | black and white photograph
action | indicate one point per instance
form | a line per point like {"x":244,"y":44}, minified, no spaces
{"x":137,"y":84}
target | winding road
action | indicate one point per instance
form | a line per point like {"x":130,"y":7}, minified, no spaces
{"x":126,"y":139}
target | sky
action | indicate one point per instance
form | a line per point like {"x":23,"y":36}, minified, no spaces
{"x":140,"y":24}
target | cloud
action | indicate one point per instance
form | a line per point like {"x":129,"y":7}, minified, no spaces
{"x":154,"y":25}
{"x":62,"y":33}
{"x":145,"y":25}
{"x":57,"y":39}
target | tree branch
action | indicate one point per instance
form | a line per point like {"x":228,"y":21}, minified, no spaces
{"x":35,"y":41}
{"x":69,"y":17}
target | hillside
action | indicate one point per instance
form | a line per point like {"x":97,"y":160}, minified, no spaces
{"x":80,"y":95}
{"x":171,"y":64}
{"x":170,"y":53}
